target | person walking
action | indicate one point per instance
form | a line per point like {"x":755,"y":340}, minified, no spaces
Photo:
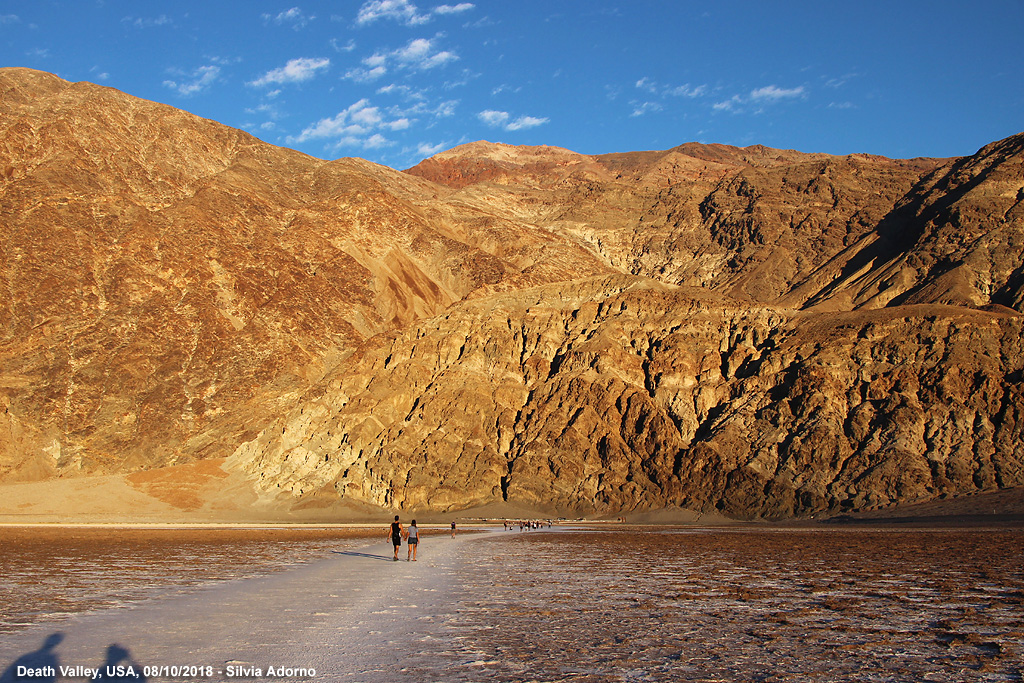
{"x":412,"y":535}
{"x":396,"y":535}
{"x":453,"y":529}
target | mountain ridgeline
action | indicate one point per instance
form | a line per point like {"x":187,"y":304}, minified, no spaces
{"x":748,"y":331}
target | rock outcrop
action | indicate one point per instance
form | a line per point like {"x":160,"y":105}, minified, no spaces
{"x":754,"y":331}
{"x":621,"y":394}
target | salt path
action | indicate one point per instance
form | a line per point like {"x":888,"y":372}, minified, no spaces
{"x":347,"y":616}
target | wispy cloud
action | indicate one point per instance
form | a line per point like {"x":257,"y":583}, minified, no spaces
{"x":198,"y":81}
{"x":147,"y":22}
{"x":419,"y":54}
{"x":759,"y":97}
{"x":647,"y":84}
{"x":338,"y":47}
{"x":293,"y":17}
{"x":639,"y":109}
{"x":268,"y":110}
{"x":653,"y":87}
{"x":295,"y":71}
{"x":9,"y":19}
{"x":731,"y":104}
{"x":359,"y":125}
{"x":504,"y":120}
{"x":405,"y":12}
{"x":772,"y":93}
{"x":454,"y":9}
{"x":428,"y":150}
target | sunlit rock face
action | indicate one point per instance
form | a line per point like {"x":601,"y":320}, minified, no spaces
{"x":755,"y":331}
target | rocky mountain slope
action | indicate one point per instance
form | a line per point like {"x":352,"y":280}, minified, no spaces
{"x":752,"y":331}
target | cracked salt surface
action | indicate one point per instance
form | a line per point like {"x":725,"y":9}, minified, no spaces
{"x":600,"y":606}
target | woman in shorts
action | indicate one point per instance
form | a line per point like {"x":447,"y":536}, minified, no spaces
{"x":412,"y":535}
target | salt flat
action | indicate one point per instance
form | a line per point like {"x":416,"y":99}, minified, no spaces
{"x":345,"y":616}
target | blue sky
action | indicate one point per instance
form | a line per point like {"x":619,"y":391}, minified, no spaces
{"x":394,"y":81}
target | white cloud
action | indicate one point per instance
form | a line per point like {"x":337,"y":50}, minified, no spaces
{"x":404,"y":12}
{"x":639,"y":109}
{"x":454,"y":9}
{"x":199,"y":80}
{"x":9,"y":19}
{"x":731,"y":104}
{"x":401,"y":11}
{"x":147,"y":22}
{"x":655,"y":88}
{"x":293,"y":16}
{"x":403,"y":90}
{"x":686,"y":90}
{"x":773,"y":93}
{"x":526,"y":122}
{"x":647,"y":84}
{"x":502,"y":119}
{"x":428,"y":150}
{"x":659,"y":91}
{"x":419,"y":54}
{"x":758,"y":98}
{"x":295,"y":71}
{"x":359,"y":125}
{"x":365,"y":75}
{"x":446,"y":109}
{"x":338,"y":47}
{"x":494,"y":119}
{"x":504,"y":88}
{"x":268,"y":110}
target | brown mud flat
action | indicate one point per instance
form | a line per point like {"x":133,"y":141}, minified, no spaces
{"x":740,"y":604}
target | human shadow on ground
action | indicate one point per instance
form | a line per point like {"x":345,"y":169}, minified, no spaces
{"x":43,"y":663}
{"x":355,"y":554}
{"x":120,"y":668}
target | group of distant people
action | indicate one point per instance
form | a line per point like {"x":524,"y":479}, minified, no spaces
{"x":527,"y":524}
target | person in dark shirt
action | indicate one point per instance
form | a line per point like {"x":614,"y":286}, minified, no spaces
{"x":396,"y":535}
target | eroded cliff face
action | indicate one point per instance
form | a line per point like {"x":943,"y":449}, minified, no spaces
{"x":755,"y":331}
{"x":622,"y":394}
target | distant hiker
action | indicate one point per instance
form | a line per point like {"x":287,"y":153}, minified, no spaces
{"x":453,"y":529}
{"x":396,"y":535}
{"x":412,"y":534}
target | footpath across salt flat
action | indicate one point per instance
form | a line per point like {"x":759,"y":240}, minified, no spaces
{"x":348,"y":617}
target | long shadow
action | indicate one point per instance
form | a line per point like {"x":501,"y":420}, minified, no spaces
{"x":120,"y":667}
{"x":43,"y":665}
{"x":355,"y":554}
{"x":40,"y":666}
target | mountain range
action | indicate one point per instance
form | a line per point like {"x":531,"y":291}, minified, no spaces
{"x":747,"y":332}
